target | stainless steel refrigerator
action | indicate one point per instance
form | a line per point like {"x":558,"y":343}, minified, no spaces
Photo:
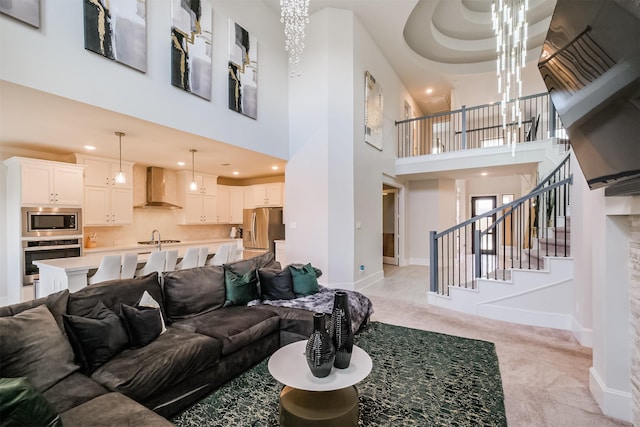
{"x":260,"y":227}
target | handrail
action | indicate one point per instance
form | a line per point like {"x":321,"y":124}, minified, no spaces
{"x":553,"y":172}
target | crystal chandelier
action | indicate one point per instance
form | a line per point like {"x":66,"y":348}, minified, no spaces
{"x":510,"y":26}
{"x":295,"y":15}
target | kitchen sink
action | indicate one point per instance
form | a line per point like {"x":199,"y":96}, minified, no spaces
{"x":155,"y":242}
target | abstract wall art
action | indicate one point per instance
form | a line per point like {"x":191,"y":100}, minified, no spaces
{"x":23,"y":10}
{"x":243,"y":71}
{"x":372,"y":111}
{"x":116,"y":29}
{"x":191,"y":46}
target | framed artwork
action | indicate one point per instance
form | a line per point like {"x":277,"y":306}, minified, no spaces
{"x":372,"y":111}
{"x":243,"y":71}
{"x":191,"y":46}
{"x":27,"y":11}
{"x":116,"y":29}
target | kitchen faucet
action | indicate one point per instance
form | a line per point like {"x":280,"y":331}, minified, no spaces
{"x":153,"y":233}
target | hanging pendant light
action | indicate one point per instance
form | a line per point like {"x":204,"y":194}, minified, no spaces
{"x":294,"y":14}
{"x":194,"y":185}
{"x":120,"y":178}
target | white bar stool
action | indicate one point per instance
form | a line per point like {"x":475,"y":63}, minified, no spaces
{"x":129,"y":266}
{"x":154,"y":263}
{"x":109,"y":269}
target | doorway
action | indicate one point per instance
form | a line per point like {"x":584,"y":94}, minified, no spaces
{"x":390,"y":217}
{"x":480,"y":205}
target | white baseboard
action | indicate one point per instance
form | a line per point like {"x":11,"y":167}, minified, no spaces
{"x":419,"y":261}
{"x":583,"y":335}
{"x":367,"y":281}
{"x":613,"y":403}
{"x":525,"y":317}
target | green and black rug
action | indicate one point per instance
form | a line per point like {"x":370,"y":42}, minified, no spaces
{"x":419,"y":378}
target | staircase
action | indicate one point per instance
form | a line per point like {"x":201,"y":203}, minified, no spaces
{"x":532,"y":285}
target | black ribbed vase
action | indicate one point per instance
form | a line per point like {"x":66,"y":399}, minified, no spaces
{"x":319,"y":352}
{"x":340,"y":331}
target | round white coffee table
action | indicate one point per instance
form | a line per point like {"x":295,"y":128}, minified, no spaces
{"x":311,"y":401}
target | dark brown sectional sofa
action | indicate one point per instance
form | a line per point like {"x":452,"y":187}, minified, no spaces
{"x":206,"y":343}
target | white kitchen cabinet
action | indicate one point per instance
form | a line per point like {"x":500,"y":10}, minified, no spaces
{"x":46,"y":183}
{"x":223,"y":196}
{"x":199,"y":206}
{"x":249,"y":197}
{"x":105,"y":201}
{"x":236,"y":204}
{"x":268,"y":194}
{"x":230,"y":204}
{"x":101,"y":172}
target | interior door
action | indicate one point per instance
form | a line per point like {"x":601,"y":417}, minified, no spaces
{"x":480,"y":205}
{"x":390,"y":225}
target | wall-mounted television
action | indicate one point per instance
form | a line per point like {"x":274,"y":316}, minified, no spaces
{"x":590,"y":63}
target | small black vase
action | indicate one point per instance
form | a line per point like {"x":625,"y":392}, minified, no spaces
{"x":319,"y":352}
{"x":341,"y":334}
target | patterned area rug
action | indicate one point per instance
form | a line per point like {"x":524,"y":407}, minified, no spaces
{"x":419,"y":378}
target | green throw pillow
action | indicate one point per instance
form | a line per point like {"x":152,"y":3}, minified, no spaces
{"x":22,"y":405}
{"x":240,"y":289}
{"x":305,"y":281}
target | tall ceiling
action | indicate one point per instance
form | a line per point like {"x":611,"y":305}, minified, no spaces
{"x":429,"y":43}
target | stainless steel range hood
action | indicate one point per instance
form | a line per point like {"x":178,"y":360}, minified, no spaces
{"x":156,"y":190}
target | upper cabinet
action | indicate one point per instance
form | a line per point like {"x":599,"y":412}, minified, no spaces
{"x":199,"y":204}
{"x":268,"y":194}
{"x":46,"y":183}
{"x":230,"y":204}
{"x":106,"y":202}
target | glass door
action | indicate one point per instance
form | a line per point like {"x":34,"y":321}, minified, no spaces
{"x":480,"y":205}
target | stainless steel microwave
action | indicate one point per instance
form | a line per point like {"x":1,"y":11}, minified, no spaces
{"x":38,"y":222}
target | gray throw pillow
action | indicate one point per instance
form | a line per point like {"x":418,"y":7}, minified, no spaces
{"x":33,"y":346}
{"x":193,"y":291}
{"x":96,"y":338}
{"x":276,"y":284}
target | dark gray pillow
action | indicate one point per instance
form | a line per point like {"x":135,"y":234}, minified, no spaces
{"x":95,"y":338}
{"x":33,"y":346}
{"x":193,"y":291}
{"x":244,"y":266}
{"x":276,"y":284}
{"x":56,"y":303}
{"x":143,"y":324}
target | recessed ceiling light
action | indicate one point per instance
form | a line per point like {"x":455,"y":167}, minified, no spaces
{"x":236,"y":173}
{"x":89,"y":147}
{"x":484,"y":174}
{"x":181,"y":163}
{"x":429,"y":91}
{"x":275,"y":167}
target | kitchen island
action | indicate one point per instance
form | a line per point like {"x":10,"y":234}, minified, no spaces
{"x":71,"y":273}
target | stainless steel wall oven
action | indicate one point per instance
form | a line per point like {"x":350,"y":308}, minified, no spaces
{"x":49,"y":233}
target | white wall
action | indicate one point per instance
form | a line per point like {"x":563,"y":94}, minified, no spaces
{"x":422,"y":217}
{"x":53,"y":59}
{"x":335,"y":219}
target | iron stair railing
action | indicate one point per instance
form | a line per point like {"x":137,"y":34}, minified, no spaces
{"x":526,"y":230}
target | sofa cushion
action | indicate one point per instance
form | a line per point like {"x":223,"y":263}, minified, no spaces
{"x":193,"y":291}
{"x":240,"y":289}
{"x":304,"y":279}
{"x":73,"y":390}
{"x":242,"y":267}
{"x":235,"y":327}
{"x":143,"y":324}
{"x":114,"y":292}
{"x":56,"y":303}
{"x":276,"y":284}
{"x":22,"y":405}
{"x":112,"y":409}
{"x":33,"y":346}
{"x":95,"y":338}
{"x":172,"y":357}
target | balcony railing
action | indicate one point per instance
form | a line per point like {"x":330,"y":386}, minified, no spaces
{"x":477,"y":127}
